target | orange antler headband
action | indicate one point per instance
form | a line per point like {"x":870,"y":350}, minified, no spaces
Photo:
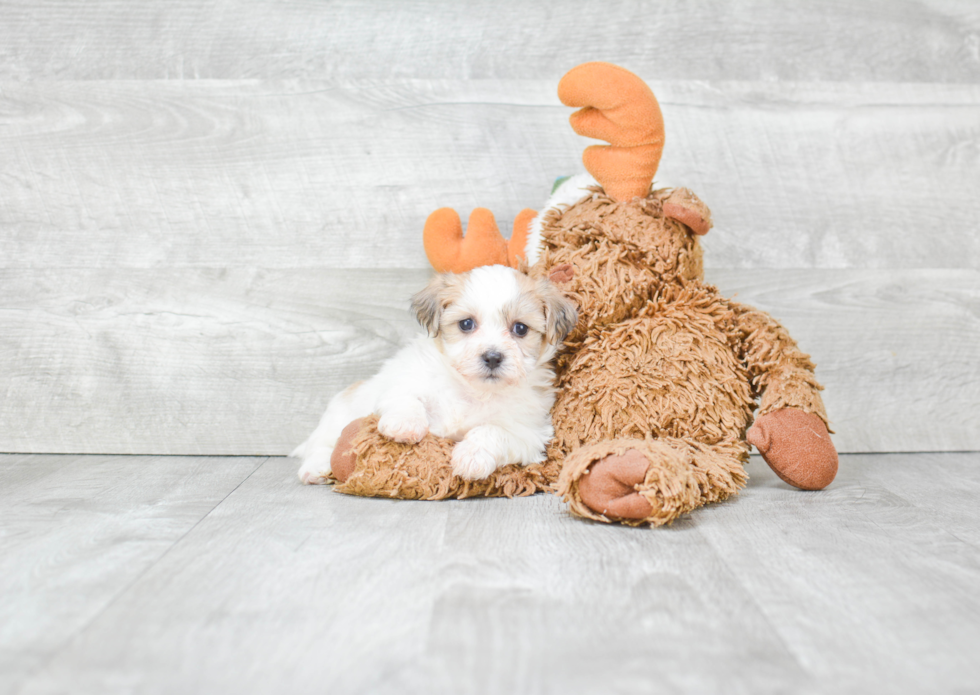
{"x":449,"y":251}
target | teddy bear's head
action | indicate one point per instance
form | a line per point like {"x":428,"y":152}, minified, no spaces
{"x":622,"y":254}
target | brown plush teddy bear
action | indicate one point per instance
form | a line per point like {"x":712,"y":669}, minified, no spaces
{"x":658,"y":382}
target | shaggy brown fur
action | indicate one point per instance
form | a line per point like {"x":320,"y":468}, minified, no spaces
{"x":659,"y":363}
{"x":660,"y":355}
{"x":384,"y":468}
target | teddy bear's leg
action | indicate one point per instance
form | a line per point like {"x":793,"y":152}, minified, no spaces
{"x":635,"y":481}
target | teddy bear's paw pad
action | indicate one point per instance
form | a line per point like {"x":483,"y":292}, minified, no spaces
{"x":343,"y":459}
{"x":797,"y":447}
{"x":609,"y":487}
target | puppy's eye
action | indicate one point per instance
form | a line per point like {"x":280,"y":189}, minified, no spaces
{"x":467,"y":325}
{"x":519,"y":329}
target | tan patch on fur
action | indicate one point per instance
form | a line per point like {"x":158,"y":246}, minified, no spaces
{"x":528,"y":308}
{"x":442,"y":291}
{"x":349,"y":391}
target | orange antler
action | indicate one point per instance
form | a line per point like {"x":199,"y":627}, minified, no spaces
{"x":516,"y":247}
{"x":620,"y":109}
{"x":449,"y":251}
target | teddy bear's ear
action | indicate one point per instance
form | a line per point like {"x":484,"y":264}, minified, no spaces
{"x":685,"y":207}
{"x":561,"y":274}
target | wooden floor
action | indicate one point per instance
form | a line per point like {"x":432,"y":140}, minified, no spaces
{"x":192,"y":574}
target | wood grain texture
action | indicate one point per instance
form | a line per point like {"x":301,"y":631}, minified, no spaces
{"x":893,"y":520}
{"x":896,"y":350}
{"x":868,"y":586}
{"x":341,"y":175}
{"x":195,"y":361}
{"x":919,"y":41}
{"x":199,"y":361}
{"x":77,"y":532}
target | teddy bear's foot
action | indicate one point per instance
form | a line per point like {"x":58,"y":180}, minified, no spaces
{"x":611,"y":484}
{"x":797,"y":446}
{"x":632,"y":481}
{"x":639,"y":481}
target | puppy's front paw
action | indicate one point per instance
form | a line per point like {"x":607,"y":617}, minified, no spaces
{"x":472,"y":460}
{"x":314,"y":471}
{"x":404,"y":427}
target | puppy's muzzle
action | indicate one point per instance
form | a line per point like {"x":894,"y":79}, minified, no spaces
{"x":492,"y":359}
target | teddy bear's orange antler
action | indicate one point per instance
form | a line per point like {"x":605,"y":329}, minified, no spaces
{"x":620,"y":109}
{"x":449,"y":251}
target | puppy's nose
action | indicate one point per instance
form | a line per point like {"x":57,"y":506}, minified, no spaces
{"x":492,"y":359}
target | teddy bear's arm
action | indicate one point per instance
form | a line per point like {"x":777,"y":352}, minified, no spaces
{"x":782,"y":374}
{"x":791,"y":429}
{"x":368,"y":464}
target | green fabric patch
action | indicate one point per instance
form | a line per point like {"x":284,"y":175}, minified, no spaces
{"x":558,"y":182}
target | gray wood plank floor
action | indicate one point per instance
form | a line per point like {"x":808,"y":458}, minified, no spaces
{"x":163,"y":575}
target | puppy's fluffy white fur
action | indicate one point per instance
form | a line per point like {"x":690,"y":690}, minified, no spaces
{"x":481,"y":377}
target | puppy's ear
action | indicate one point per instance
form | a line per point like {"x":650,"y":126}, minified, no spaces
{"x":560,"y":313}
{"x":427,"y":304}
{"x":430,"y":302}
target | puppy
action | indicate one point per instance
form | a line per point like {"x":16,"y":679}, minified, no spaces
{"x":481,"y":377}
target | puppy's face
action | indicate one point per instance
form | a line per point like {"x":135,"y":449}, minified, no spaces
{"x":494,"y":324}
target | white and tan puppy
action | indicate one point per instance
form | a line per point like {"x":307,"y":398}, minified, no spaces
{"x":481,"y":377}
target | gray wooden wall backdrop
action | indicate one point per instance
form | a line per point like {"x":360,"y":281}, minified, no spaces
{"x":210,"y":212}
